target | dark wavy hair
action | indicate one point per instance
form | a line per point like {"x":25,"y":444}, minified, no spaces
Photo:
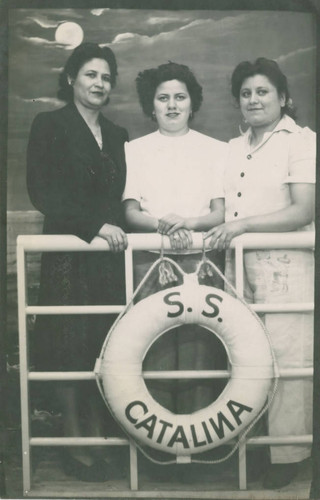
{"x":148,"y":81}
{"x":268,"y":68}
{"x":81,"y":55}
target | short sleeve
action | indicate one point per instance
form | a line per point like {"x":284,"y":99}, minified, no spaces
{"x":302,"y":157}
{"x":132,"y":188}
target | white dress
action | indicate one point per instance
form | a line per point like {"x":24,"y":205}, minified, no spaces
{"x":256,"y":183}
{"x":177,"y":175}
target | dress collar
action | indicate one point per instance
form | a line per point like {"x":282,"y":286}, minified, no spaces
{"x":173,"y":137}
{"x":286,"y":123}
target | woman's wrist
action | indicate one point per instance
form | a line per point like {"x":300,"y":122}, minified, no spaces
{"x":248,"y":224}
{"x":102,"y":228}
{"x":191,"y":223}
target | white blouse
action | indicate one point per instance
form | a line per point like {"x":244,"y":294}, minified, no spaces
{"x":257,"y":179}
{"x":178,"y":175}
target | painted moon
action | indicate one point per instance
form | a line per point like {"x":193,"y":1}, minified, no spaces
{"x":69,"y":34}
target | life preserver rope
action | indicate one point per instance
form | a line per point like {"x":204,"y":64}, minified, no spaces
{"x":241,"y":402}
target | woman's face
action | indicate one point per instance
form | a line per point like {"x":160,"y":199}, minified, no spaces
{"x":260,"y":102}
{"x":172,"y":106}
{"x":92,"y":86}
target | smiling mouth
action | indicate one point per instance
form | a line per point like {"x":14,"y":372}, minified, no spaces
{"x":172,"y":115}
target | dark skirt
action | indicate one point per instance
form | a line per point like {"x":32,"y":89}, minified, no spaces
{"x":73,"y":342}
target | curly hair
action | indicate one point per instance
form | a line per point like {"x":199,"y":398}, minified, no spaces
{"x":268,"y":68}
{"x":81,"y":55}
{"x":148,"y":81}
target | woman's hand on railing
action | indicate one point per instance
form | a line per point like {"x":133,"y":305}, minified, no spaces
{"x":176,"y":227}
{"x":222,"y":235}
{"x":170,"y":223}
{"x":115,"y":236}
{"x":181,"y":239}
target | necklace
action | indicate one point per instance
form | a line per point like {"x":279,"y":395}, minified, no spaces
{"x":94,"y":127}
{"x":96,"y":132}
{"x":98,"y":138}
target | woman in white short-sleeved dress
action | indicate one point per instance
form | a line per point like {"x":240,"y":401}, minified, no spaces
{"x":269,"y":187}
{"x":175,"y":186}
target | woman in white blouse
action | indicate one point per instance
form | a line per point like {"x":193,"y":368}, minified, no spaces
{"x":270,"y":187}
{"x":175,"y":186}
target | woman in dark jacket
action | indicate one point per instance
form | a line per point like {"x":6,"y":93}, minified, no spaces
{"x":75,"y":177}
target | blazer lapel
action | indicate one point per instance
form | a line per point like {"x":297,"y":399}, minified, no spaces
{"x":113,"y":144}
{"x":81,"y":140}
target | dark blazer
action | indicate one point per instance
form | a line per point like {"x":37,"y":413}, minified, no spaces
{"x":76,"y":186}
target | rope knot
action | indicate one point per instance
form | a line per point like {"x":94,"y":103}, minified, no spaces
{"x":205,"y":270}
{"x":166,"y":273}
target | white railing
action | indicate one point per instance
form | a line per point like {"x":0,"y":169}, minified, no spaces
{"x":56,"y":243}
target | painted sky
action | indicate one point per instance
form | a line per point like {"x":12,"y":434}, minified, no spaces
{"x":211,"y":43}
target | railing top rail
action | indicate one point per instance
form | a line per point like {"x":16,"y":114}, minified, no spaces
{"x":147,"y":241}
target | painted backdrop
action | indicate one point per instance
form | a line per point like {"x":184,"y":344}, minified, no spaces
{"x":210,"y":42}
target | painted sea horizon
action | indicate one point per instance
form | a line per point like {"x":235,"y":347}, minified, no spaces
{"x":20,"y":222}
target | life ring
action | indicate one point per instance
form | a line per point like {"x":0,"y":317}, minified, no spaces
{"x":249,"y":354}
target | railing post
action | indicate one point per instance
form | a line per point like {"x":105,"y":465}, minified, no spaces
{"x":242,"y":466}
{"x":129,"y":293}
{"x":133,"y":466}
{"x":129,"y":273}
{"x":23,"y":351}
{"x":239,"y":267}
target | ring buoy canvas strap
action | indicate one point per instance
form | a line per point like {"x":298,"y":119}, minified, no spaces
{"x":237,"y":406}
